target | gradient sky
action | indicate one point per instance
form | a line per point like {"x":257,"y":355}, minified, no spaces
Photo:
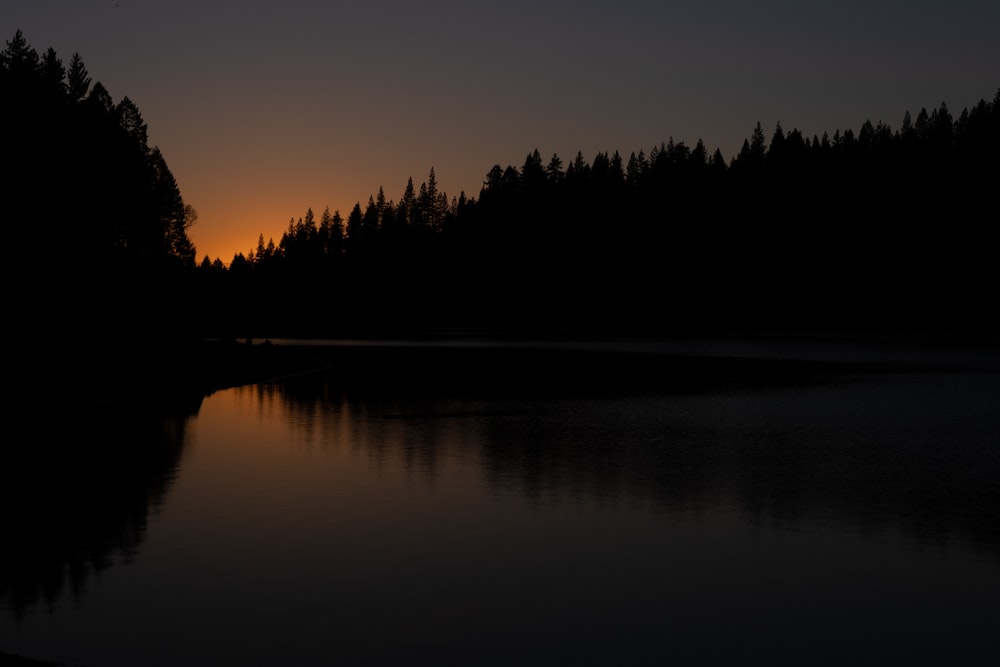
{"x":265,"y":109}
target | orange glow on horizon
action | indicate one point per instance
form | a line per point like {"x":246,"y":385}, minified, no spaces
{"x":234,"y":213}
{"x":236,"y":205}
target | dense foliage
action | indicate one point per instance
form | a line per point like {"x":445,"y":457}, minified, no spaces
{"x":878,"y":229}
{"x":98,"y":221}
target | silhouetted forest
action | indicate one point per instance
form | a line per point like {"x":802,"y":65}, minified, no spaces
{"x":101,"y":263}
{"x":877,"y":229}
{"x":86,"y":197}
{"x":874,"y":229}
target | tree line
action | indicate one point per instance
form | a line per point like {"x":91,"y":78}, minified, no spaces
{"x":867,"y":228}
{"x":874,"y":228}
{"x":98,"y":230}
{"x":68,"y":144}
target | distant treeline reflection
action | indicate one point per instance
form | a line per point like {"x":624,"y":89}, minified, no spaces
{"x":908,"y":453}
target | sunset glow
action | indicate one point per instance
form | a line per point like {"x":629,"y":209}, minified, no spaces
{"x":270,"y":110}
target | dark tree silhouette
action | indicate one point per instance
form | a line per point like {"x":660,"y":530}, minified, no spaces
{"x":96,"y":215}
{"x":866,"y":230}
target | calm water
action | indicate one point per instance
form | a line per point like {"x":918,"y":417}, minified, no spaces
{"x":836,"y":518}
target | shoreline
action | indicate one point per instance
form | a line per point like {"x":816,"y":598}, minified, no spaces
{"x":185,"y":372}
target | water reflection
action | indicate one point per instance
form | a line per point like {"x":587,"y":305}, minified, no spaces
{"x":75,"y":497}
{"x":904,"y":450}
{"x":485,"y":514}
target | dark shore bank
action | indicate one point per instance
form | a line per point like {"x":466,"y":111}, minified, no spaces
{"x":184,"y":372}
{"x":8,"y":660}
{"x":476,"y":363}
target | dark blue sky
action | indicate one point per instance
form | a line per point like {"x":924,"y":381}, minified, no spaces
{"x":266,"y":109}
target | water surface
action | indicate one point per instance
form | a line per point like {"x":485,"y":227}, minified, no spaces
{"x":823,"y":518}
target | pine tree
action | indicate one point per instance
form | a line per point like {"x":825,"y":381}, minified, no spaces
{"x":78,"y":80}
{"x":19,"y":60}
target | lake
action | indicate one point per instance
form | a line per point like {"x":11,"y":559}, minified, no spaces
{"x":703,"y":505}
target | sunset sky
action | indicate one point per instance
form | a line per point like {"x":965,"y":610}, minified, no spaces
{"x":263,"y":110}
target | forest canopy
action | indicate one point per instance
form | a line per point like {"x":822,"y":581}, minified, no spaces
{"x":877,"y":228}
{"x":98,"y":221}
{"x":70,"y":145}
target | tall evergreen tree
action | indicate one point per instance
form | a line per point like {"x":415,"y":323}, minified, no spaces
{"x":78,"y":79}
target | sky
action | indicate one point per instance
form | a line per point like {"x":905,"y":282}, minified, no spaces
{"x":266,"y":109}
